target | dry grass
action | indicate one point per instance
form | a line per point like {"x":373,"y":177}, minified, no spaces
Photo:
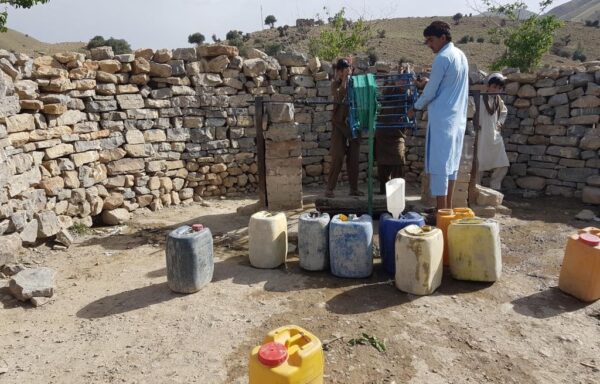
{"x":18,"y":42}
{"x":403,"y":39}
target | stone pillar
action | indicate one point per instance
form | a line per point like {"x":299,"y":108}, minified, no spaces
{"x":283,"y":156}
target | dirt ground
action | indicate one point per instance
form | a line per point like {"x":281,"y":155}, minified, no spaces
{"x":114,"y":320}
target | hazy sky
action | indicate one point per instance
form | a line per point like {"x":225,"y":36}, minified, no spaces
{"x":167,"y":23}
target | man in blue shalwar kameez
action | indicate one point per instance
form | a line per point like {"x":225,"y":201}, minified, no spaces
{"x":446,"y":97}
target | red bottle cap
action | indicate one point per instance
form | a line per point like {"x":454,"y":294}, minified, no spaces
{"x":197,"y":227}
{"x":272,"y":354}
{"x":589,"y":239}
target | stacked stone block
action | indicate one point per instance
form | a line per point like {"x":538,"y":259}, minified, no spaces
{"x":283,"y":154}
{"x":551,"y":133}
{"x":104,"y":135}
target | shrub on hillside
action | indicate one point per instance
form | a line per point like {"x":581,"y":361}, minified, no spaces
{"x":119,"y":46}
{"x":579,"y":55}
{"x":273,"y":49}
{"x":480,"y":40}
{"x":457,"y":17}
{"x":234,"y":34}
{"x":372,"y":55}
{"x":196,"y":38}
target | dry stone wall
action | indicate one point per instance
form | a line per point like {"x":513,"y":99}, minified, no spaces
{"x":101,"y":136}
{"x":551,"y":134}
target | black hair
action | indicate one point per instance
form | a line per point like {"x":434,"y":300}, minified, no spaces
{"x":341,"y":64}
{"x":496,"y":81}
{"x":438,"y":29}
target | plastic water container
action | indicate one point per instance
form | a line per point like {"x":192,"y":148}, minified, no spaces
{"x":288,"y":355}
{"x":443,"y":220}
{"x":395,"y":195}
{"x":313,"y":241}
{"x":419,"y":253}
{"x":351,"y":246}
{"x":474,"y":246}
{"x":388,"y":229}
{"x":268,"y":243}
{"x":580,"y":271}
{"x":190,"y":262}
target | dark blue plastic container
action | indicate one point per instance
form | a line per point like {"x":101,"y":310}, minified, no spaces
{"x":388,"y":229}
{"x":190,"y":262}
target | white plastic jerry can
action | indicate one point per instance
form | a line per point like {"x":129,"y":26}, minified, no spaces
{"x":474,"y":249}
{"x":419,"y":259}
{"x":395,"y":196}
{"x":268,"y":242}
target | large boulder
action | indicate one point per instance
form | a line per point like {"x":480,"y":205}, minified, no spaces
{"x":116,"y":216}
{"x":34,"y":282}
{"x":48,"y":224}
{"x":215,"y":50}
{"x":292,"y":59}
{"x":254,"y":67}
{"x":102,"y":53}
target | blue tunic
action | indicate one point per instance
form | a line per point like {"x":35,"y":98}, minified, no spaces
{"x":447,"y":97}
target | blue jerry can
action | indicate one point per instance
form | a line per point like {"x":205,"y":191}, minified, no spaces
{"x":388,"y":229}
{"x":351,"y":246}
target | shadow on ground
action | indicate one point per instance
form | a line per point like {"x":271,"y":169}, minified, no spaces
{"x":382,"y":294}
{"x":156,"y":233}
{"x":550,"y":209}
{"x":9,"y":302}
{"x":547,"y":303}
{"x":287,"y":278}
{"x":128,"y":301}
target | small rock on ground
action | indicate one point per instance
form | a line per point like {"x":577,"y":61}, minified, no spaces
{"x":585,"y":215}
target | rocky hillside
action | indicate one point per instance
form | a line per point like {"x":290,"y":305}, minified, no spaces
{"x":393,"y":40}
{"x":16,"y":41}
{"x":402,"y":39}
{"x":578,"y":10}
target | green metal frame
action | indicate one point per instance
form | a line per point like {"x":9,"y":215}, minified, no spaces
{"x":365,"y":97}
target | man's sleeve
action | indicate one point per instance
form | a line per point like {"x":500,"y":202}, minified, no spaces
{"x":438,"y":70}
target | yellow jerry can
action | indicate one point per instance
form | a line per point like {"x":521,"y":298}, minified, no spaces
{"x":474,"y":248}
{"x":288,"y":355}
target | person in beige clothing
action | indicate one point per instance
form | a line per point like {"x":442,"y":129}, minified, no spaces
{"x":491,"y":154}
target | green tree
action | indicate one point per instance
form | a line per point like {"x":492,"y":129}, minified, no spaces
{"x":457,"y":18}
{"x":270,"y":20}
{"x":95,"y":42}
{"x":340,"y":38}
{"x":17,"y":4}
{"x":526,"y":41}
{"x":119,"y":46}
{"x":233,"y":35}
{"x":196,"y":38}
